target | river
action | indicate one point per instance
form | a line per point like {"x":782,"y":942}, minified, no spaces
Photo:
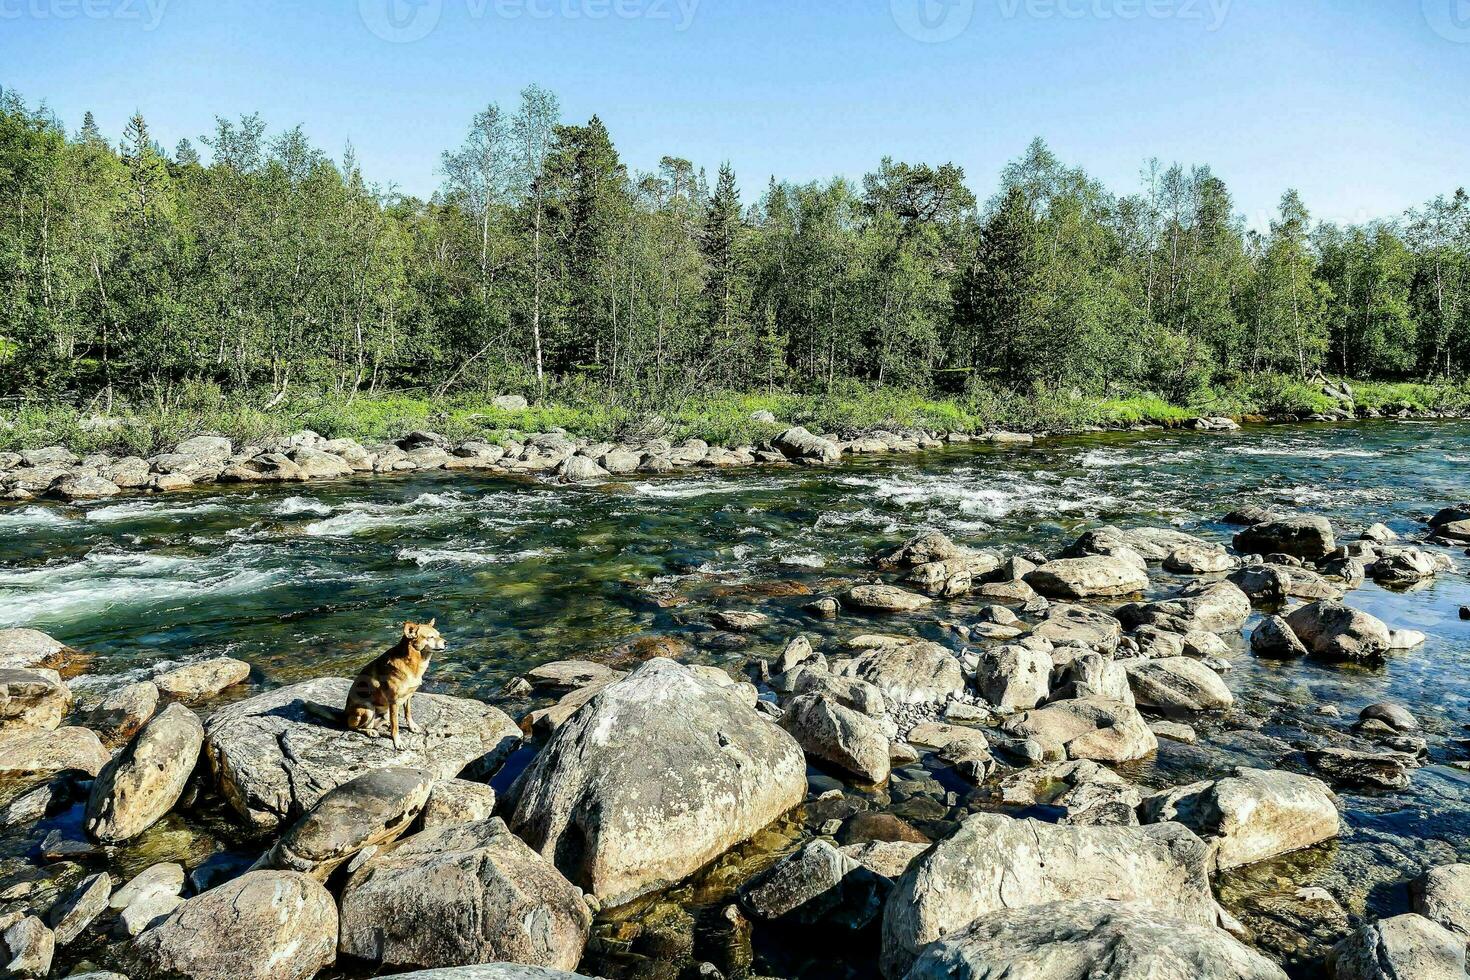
{"x":306,"y":581}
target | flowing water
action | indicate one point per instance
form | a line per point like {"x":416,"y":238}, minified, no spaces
{"x":307,"y":581}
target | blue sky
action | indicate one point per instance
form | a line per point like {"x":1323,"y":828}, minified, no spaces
{"x":1361,"y":104}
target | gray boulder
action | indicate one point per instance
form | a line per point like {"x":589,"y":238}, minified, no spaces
{"x":372,"y":810}
{"x":38,"y":754}
{"x":838,"y":735}
{"x":275,"y":755}
{"x":122,"y":712}
{"x":994,"y":862}
{"x":1273,"y":638}
{"x":1252,"y":816}
{"x":852,"y":692}
{"x":1198,"y":559}
{"x":798,"y":443}
{"x":580,"y":469}
{"x":923,"y":549}
{"x":32,"y":698}
{"x":203,"y":679}
{"x":1443,"y":895}
{"x":1093,"y":576}
{"x":453,"y":801}
{"x":468,"y":893}
{"x":1177,"y":685}
{"x":1332,"y":631}
{"x":597,"y":801}
{"x":907,"y":672}
{"x":71,"y":916}
{"x":1088,"y":728}
{"x":264,"y":925}
{"x":144,"y":781}
{"x":1014,"y":678}
{"x":1071,"y":625}
{"x":1307,"y":538}
{"x":147,"y":899}
{"x":1215,"y":607}
{"x":28,"y":946}
{"x":27,"y":648}
{"x":1404,"y":947}
{"x":1091,"y":940}
{"x":491,"y":971}
{"x":883,"y":599}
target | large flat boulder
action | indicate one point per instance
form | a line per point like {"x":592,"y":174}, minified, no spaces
{"x":1091,"y":940}
{"x":994,"y":862}
{"x":275,"y":755}
{"x":657,"y":775}
{"x":1088,"y":577}
{"x":41,"y":754}
{"x":1252,"y":816}
{"x":264,"y":925}
{"x":467,"y":893}
{"x":1443,"y":894}
{"x":27,"y":648}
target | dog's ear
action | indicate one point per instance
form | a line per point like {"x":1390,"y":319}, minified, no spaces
{"x":410,"y":630}
{"x":433,"y":621}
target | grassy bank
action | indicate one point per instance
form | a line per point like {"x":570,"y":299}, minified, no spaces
{"x":719,"y":418}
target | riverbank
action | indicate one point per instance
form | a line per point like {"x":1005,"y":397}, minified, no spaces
{"x":723,"y":419}
{"x":66,"y":456}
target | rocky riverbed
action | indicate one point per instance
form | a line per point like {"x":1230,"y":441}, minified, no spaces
{"x":951,"y":739}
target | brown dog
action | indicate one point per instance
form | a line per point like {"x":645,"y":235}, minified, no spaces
{"x":392,"y":679}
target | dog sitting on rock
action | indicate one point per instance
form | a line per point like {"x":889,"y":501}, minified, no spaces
{"x":392,"y":680}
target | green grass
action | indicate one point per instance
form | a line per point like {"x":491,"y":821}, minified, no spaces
{"x":721,"y":418}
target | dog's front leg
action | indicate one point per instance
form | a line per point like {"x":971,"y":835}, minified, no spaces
{"x":393,"y":722}
{"x":408,"y":715}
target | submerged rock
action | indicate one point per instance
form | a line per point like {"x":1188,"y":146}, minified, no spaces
{"x":995,"y":862}
{"x":265,"y":925}
{"x":1091,"y":940}
{"x":275,"y":755}
{"x":817,"y":885}
{"x":596,"y":799}
{"x":469,"y":893}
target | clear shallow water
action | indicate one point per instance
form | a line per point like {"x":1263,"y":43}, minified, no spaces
{"x":310,"y":580}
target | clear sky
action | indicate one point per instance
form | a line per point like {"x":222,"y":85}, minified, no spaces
{"x":1364,"y":105}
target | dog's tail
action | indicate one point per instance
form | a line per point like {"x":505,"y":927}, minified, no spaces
{"x":326,"y":713}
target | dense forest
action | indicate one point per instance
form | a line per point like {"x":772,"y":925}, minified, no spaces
{"x":544,"y":265}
